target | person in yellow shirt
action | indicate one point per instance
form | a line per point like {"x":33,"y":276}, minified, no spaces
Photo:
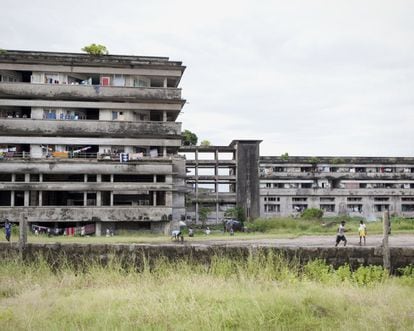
{"x":362,"y":230}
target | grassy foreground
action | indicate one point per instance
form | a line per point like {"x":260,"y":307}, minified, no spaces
{"x":265,"y":292}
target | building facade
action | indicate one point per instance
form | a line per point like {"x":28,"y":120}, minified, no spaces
{"x":87,"y":138}
{"x":222,"y":177}
{"x":354,"y":186}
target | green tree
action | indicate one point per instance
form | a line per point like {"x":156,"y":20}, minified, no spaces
{"x":95,"y":49}
{"x":205,"y":143}
{"x":189,"y":138}
{"x":284,"y":156}
{"x":203,"y":215}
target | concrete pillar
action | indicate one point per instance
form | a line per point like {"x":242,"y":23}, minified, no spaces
{"x":98,"y":229}
{"x":164,"y":116}
{"x":36,"y":151}
{"x":164,"y":151}
{"x":12,"y":198}
{"x":26,"y":193}
{"x":40,"y":198}
{"x":85,"y":198}
{"x":165,"y":84}
{"x":99,"y":193}
{"x":85,"y":178}
{"x":36,"y":113}
{"x":154,"y":178}
{"x":111,"y":200}
{"x":154,"y":198}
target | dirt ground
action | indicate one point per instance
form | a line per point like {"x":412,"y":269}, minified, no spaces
{"x":401,"y":240}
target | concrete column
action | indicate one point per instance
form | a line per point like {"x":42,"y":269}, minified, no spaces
{"x":85,"y":178}
{"x":111,"y":200}
{"x":154,"y":198}
{"x":98,"y":229}
{"x":12,"y":198}
{"x":85,"y":198}
{"x":164,"y":116}
{"x":26,"y":193}
{"x":40,"y":198}
{"x":36,"y":151}
{"x":164,"y":151}
{"x":165,"y":84}
{"x":13,"y":177}
{"x":40,"y":178}
{"x":99,"y":193}
{"x":217,"y":212}
{"x":36,"y":113}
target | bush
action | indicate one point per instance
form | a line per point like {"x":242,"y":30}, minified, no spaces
{"x":312,"y":213}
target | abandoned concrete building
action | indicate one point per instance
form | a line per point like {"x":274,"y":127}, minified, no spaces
{"x":222,"y":177}
{"x":286,"y":186}
{"x":94,"y":140}
{"x":354,"y":186}
{"x":88,"y":138}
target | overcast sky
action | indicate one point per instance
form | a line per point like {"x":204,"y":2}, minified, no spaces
{"x":306,"y":77}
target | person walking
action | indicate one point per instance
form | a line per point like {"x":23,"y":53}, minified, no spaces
{"x":7,"y":228}
{"x":340,"y":236}
{"x":362,"y":230}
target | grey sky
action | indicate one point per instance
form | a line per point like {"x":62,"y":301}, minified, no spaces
{"x":308,"y":77}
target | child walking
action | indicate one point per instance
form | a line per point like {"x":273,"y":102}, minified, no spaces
{"x":362,"y":230}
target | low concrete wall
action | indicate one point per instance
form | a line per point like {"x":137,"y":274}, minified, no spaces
{"x":137,"y":254}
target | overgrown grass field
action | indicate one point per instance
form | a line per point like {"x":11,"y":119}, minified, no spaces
{"x":264,"y":292}
{"x":300,"y":226}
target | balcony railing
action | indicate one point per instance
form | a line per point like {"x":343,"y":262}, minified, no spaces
{"x":96,"y":92}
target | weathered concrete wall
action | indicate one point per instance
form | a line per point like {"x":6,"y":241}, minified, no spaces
{"x":81,"y":92}
{"x":75,"y":166}
{"x":87,"y":214}
{"x":115,"y":129}
{"x":136,"y":253}
{"x":248,"y":191}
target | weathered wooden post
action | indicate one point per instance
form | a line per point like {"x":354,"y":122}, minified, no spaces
{"x":22,"y":234}
{"x":386,"y":255}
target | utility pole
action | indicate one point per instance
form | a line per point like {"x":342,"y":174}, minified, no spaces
{"x":386,"y":255}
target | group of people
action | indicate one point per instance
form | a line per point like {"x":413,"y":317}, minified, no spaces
{"x":362,"y":231}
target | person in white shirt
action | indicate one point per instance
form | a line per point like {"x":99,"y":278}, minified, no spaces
{"x":340,"y":236}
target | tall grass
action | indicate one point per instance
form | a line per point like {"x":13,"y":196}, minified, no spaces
{"x":262,"y":292}
{"x":301,"y":226}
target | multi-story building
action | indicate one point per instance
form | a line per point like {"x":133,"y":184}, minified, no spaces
{"x":86,"y":138}
{"x":222,"y":177}
{"x":354,"y":186}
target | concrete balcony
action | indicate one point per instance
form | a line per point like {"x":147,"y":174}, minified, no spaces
{"x":223,"y":197}
{"x":87,"y":92}
{"x":131,"y":188}
{"x":87,"y":214}
{"x":158,"y":166}
{"x":336,"y":192}
{"x":338,"y":175}
{"x":89,"y":128}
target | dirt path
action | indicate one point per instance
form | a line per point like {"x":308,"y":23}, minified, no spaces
{"x":308,"y":241}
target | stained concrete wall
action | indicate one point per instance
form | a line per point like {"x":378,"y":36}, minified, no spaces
{"x":81,"y":92}
{"x":87,"y":214}
{"x":115,"y":129}
{"x":248,"y":189}
{"x":136,"y":253}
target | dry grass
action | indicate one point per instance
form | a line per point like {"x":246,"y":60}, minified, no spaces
{"x":259,"y":294}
